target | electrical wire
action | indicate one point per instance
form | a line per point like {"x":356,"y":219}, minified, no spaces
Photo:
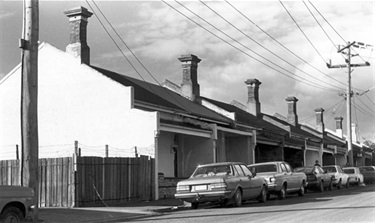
{"x":334,"y":28}
{"x":242,"y":51}
{"x":132,"y":54}
{"x":264,"y":46}
{"x":290,"y":15}
{"x":274,"y":39}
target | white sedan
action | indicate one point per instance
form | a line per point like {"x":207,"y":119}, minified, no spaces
{"x":339,"y":178}
{"x":355,"y":176}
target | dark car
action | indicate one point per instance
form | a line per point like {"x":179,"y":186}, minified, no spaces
{"x":280,"y":177}
{"x":317,"y":179}
{"x":228,"y":182}
{"x":16,"y":203}
{"x":368,"y":173}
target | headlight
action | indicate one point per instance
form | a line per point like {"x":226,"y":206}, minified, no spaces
{"x":218,"y":185}
{"x":272,"y":179}
{"x":183,"y":187}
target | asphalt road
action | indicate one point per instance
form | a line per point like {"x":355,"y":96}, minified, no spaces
{"x":354,"y":204}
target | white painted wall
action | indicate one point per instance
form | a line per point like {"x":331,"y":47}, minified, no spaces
{"x":75,"y":102}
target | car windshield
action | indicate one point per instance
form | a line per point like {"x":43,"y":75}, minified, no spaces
{"x":349,"y":171}
{"x":207,"y":171}
{"x":367,"y":168}
{"x":304,"y":169}
{"x":330,"y":169}
{"x":263,"y":168}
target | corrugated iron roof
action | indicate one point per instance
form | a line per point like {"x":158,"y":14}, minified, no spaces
{"x":162,"y":97}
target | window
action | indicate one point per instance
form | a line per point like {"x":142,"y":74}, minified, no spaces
{"x":239,"y":170}
{"x":288,"y":168}
{"x":263,"y":168}
{"x":283,"y":168}
{"x":246,"y":170}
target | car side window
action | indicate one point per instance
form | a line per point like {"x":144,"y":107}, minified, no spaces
{"x":339,"y":170}
{"x":288,"y":168}
{"x":320,"y":170}
{"x":246,"y":170}
{"x":239,"y":170}
{"x":283,"y":168}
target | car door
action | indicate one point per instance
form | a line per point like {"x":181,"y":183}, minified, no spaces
{"x":256,"y":184}
{"x":326,"y":177}
{"x":293,"y":181}
{"x":244,"y":181}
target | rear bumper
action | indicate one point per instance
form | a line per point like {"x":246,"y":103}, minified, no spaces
{"x":204,"y":196}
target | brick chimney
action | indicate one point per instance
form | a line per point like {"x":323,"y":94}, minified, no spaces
{"x":319,"y":119}
{"x":190,"y":86}
{"x":253,"y":104}
{"x":78,"y":33}
{"x":354,"y":133}
{"x":292,"y":117}
{"x":339,"y":126}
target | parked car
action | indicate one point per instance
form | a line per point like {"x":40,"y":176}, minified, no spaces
{"x":228,"y":182}
{"x":16,"y":203}
{"x":338,"y":176}
{"x":355,"y":176}
{"x":368,"y":173}
{"x":316,"y":178}
{"x":281,"y":178}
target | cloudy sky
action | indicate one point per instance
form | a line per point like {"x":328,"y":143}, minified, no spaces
{"x":285,"y":45}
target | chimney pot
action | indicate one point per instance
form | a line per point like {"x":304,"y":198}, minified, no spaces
{"x":78,"y":19}
{"x":339,"y":126}
{"x":253,"y":104}
{"x":292,"y":110}
{"x":190,"y":86}
{"x":319,"y":119}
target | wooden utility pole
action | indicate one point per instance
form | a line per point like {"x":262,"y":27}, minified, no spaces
{"x":29,"y":97}
{"x":349,"y":95}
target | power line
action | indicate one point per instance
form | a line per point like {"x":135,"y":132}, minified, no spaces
{"x":148,"y":85}
{"x":302,"y":32}
{"x":263,"y":46}
{"x":241,"y":45}
{"x":274,"y":39}
{"x":333,"y":28}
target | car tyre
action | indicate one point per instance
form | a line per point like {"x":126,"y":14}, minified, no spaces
{"x":282,"y":193}
{"x":339,"y":185}
{"x":358,"y":182}
{"x":347,"y":184}
{"x":237,"y":198}
{"x":12,"y":214}
{"x":330,"y":187}
{"x":301,"y":191}
{"x":321,"y":186}
{"x":194,"y":205}
{"x":263,"y":195}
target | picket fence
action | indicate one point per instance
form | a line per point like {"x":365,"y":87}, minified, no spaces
{"x":87,"y":181}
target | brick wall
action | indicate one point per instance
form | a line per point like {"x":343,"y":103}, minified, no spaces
{"x":167,"y":186}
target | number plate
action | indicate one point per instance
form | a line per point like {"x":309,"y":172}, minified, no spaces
{"x":200,"y":187}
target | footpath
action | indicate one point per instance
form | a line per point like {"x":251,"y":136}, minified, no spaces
{"x":123,"y":213}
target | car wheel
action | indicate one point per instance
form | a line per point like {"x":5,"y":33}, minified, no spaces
{"x":330,"y":187}
{"x":301,"y":191}
{"x":347,"y":183}
{"x":238,"y":198}
{"x":358,"y":182}
{"x":12,"y":214}
{"x":194,"y":205}
{"x":282,"y":193}
{"x":339,"y":185}
{"x":321,"y":186}
{"x":263,"y":195}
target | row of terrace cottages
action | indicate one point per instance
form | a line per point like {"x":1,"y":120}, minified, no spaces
{"x":79,"y":101}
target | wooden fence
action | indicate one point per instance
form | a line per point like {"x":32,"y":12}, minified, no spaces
{"x":87,"y":181}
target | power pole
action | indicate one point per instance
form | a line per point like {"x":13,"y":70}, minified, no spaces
{"x":349,"y":95}
{"x":29,"y":97}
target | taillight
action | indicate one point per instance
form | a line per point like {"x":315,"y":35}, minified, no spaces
{"x":218,"y":185}
{"x":183,"y":187}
